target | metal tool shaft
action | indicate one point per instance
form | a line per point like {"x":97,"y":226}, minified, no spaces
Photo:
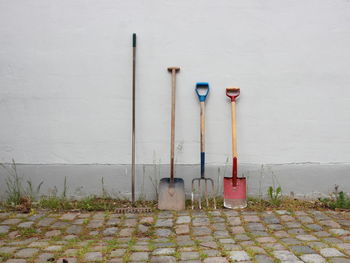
{"x":133,"y":117}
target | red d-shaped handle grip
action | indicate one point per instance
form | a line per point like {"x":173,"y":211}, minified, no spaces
{"x":233,"y":93}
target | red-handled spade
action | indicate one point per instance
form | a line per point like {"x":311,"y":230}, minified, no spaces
{"x":235,"y":189}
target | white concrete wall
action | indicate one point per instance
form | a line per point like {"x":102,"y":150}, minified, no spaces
{"x":65,"y":79}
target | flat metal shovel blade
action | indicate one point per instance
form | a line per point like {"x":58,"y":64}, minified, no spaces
{"x":171,"y":195}
{"x":235,"y":197}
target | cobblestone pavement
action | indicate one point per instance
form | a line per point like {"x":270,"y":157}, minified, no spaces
{"x":189,"y":236}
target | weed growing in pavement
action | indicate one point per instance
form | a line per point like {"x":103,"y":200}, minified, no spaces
{"x":203,"y":255}
{"x":105,"y":193}
{"x":275,"y":195}
{"x":17,"y":196}
{"x":177,"y":255}
{"x":219,"y":179}
{"x":55,"y":203}
{"x":14,"y":187}
{"x":27,"y":232}
{"x":142,"y":193}
{"x":287,"y":203}
{"x":64,"y":193}
{"x":156,"y":174}
{"x":82,"y":251}
{"x":337,"y":200}
{"x":33,"y":192}
{"x":5,"y":256}
{"x":250,"y":252}
{"x":20,"y":198}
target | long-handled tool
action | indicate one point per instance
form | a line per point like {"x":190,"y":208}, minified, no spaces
{"x":133,"y":119}
{"x":235,"y":189}
{"x":172,"y":190}
{"x":202,"y":90}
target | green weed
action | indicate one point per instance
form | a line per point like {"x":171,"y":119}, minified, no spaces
{"x":337,"y":200}
{"x":275,"y":195}
{"x":14,"y":187}
{"x":27,"y":232}
{"x":5,"y":256}
{"x":55,"y":203}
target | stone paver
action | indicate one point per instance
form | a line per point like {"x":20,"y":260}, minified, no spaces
{"x":118,"y":253}
{"x":339,"y":231}
{"x":312,"y":258}
{"x":183,"y":220}
{"x":53,"y":233}
{"x":163,"y":259}
{"x":263,"y":259}
{"x":44,"y":258}
{"x":11,"y":221}
{"x":26,"y":252}
{"x":46,"y":222}
{"x":331,"y":252}
{"x":306,"y":237}
{"x":239,"y":255}
{"x":302,"y":249}
{"x":68,"y":216}
{"x":340,"y":260}
{"x":163,"y":251}
{"x":201,"y":221}
{"x":164,"y":223}
{"x":93,"y":256}
{"x":237,"y":230}
{"x":139,"y":256}
{"x":251,"y":218}
{"x":25,"y":224}
{"x":285,"y":255}
{"x":189,"y":255}
{"x":215,"y":260}
{"x":110,"y":231}
{"x":182,"y":229}
{"x":187,"y":236}
{"x":53,"y":248}
{"x":74,"y":229}
{"x":4,"y":229}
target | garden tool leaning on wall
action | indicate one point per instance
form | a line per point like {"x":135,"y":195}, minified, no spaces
{"x":133,"y":119}
{"x":172,"y":190}
{"x":235,"y":189}
{"x":202,"y":90}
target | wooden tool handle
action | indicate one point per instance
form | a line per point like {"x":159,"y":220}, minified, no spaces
{"x":172,"y":142}
{"x":234,"y":135}
{"x":173,"y":71}
{"x":233,"y":93}
{"x":202,"y":124}
{"x":202,"y":137}
{"x":234,"y":145}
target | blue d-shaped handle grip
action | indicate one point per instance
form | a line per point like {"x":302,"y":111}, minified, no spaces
{"x":202,"y":85}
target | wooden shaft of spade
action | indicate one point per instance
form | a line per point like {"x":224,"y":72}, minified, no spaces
{"x":234,"y":136}
{"x":173,"y":71}
{"x":133,"y":118}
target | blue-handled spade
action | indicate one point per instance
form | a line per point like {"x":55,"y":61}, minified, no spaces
{"x":202,"y":90}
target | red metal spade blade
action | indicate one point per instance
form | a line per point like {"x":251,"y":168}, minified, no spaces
{"x":235,"y":197}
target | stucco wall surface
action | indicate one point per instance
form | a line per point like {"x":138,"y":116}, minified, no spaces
{"x":65,"y":78}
